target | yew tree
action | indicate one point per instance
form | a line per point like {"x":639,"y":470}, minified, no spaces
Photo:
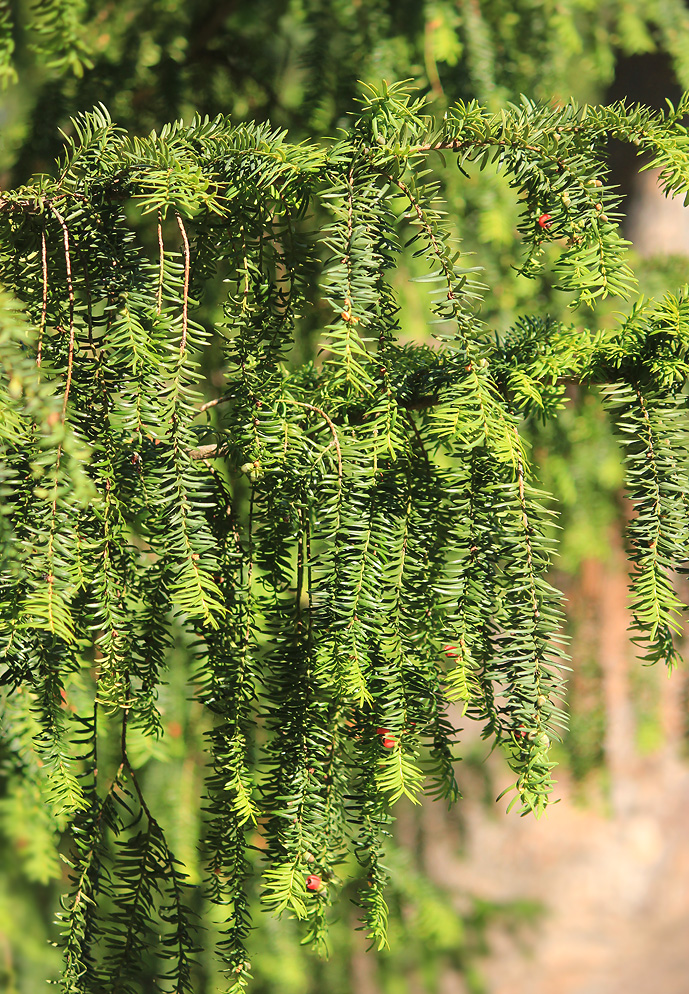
{"x":353,"y":547}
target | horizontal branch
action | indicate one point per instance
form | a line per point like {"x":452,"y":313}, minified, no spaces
{"x":217,"y":450}
{"x":211,"y":451}
{"x":36,"y":206}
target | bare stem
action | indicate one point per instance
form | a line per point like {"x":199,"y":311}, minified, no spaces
{"x":70,"y":291}
{"x":161,"y":264}
{"x":44,"y":307}
{"x":331,"y":426}
{"x":185,"y":301}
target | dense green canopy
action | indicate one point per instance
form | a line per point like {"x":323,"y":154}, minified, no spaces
{"x":353,"y":543}
{"x":271,"y":511}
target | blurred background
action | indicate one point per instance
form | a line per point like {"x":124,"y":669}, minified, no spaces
{"x":594,"y":898}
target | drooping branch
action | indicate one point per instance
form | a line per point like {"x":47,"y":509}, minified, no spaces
{"x":185,"y":297}
{"x":70,"y":292}
{"x":161,"y":264}
{"x":44,"y":304}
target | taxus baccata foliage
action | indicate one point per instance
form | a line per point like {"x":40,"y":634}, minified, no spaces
{"x":353,"y":544}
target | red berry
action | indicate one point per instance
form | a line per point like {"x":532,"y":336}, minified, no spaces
{"x":450,"y":651}
{"x":387,"y":739}
{"x":545,"y":220}
{"x":314,"y":882}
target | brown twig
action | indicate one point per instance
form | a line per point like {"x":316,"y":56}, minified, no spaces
{"x":211,"y":451}
{"x":44,"y":307}
{"x":331,"y":426}
{"x":70,"y":360}
{"x":185,"y":300}
{"x":161,"y":258}
{"x":70,"y":291}
{"x":214,"y":403}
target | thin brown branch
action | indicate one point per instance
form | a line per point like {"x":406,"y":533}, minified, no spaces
{"x":70,"y":360}
{"x":218,"y":400}
{"x":430,"y":234}
{"x":185,"y":300}
{"x":161,"y":263}
{"x":70,"y":291}
{"x":211,"y":451}
{"x":214,"y":451}
{"x":331,"y":426}
{"x":37,"y":206}
{"x":456,"y":145}
{"x":421,"y":403}
{"x":44,"y":306}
